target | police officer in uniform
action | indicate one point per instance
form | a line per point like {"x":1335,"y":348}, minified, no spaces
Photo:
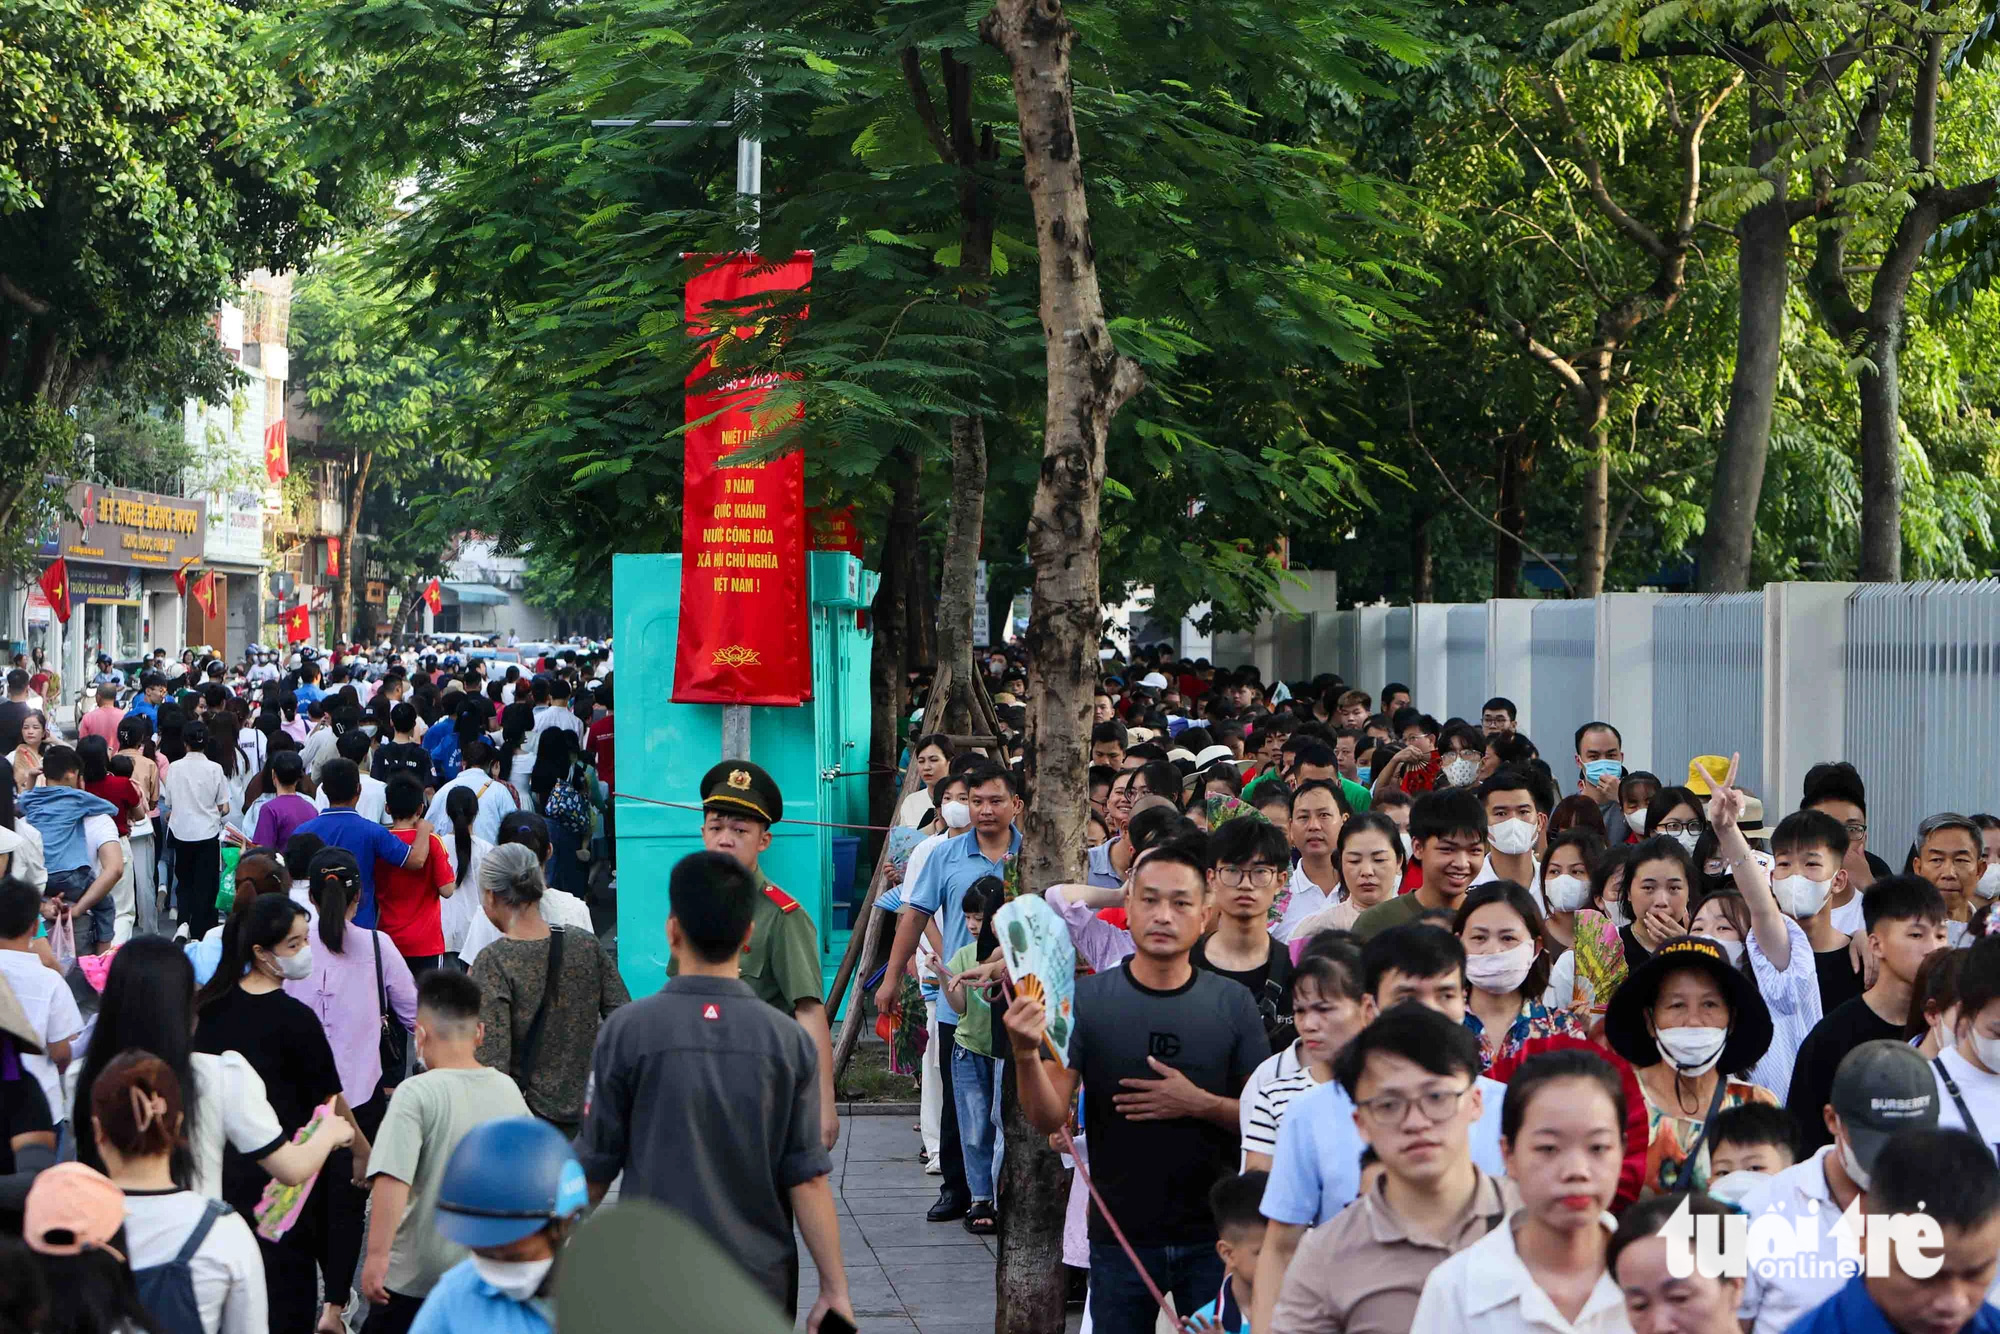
{"x":739,"y":804}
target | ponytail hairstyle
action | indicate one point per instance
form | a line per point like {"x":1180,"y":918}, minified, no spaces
{"x":334,"y":878}
{"x":461,"y":807}
{"x":135,"y":733}
{"x":264,"y":925}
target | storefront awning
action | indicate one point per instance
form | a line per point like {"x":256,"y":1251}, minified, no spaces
{"x":476,"y":595}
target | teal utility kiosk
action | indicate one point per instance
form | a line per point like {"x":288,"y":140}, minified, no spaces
{"x":818,"y":753}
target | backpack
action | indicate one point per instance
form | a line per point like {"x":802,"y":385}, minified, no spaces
{"x":167,"y":1291}
{"x":568,"y":808}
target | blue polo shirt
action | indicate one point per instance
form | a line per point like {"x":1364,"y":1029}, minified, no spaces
{"x":941,"y":886}
{"x":369,"y":841}
{"x":1316,"y":1170}
{"x":463,"y":1303}
{"x":1853,"y":1311}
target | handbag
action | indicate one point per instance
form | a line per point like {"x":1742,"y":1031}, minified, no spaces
{"x":531,"y":1045}
{"x":394,"y":1042}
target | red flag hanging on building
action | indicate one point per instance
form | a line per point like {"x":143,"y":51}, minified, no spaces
{"x":298,"y":624}
{"x":745,"y":624}
{"x":204,"y":594}
{"x":434,"y":596}
{"x":181,"y":576}
{"x":55,"y":587}
{"x":333,"y":558}
{"x":277,"y":451}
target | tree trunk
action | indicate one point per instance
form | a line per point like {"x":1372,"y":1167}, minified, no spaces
{"x":1513,"y":468}
{"x":1764,"y":239}
{"x":888,"y":669}
{"x":343,"y":600}
{"x":1088,"y":382}
{"x":1421,"y":566}
{"x":1596,"y":549}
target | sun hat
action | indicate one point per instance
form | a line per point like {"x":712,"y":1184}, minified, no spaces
{"x":1749,"y":1017}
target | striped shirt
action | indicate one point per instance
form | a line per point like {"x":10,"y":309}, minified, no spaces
{"x":1270,"y":1087}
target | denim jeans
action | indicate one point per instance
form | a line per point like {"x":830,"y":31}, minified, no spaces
{"x":973,"y":1087}
{"x":1119,"y":1302}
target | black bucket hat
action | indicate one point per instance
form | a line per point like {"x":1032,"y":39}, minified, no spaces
{"x":1749,"y":1017}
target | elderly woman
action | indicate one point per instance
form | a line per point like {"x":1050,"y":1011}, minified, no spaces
{"x":546,"y":989}
{"x":1688,"y":1019}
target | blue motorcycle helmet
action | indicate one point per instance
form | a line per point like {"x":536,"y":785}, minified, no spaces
{"x":507,"y":1180}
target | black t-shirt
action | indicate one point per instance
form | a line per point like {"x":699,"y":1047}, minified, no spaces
{"x":12,"y":715}
{"x":402,"y":757}
{"x":1820,"y":1055}
{"x":1155,"y":1175}
{"x":285,"y":1045}
{"x":1838,"y":982}
{"x":1270,"y":985}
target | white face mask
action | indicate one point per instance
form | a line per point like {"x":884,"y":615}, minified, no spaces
{"x":1989,"y":882}
{"x":1734,"y":949}
{"x":957,"y":815}
{"x":294,"y":967}
{"x":1498,"y":974}
{"x":1566,"y":893}
{"x":1800,"y":896}
{"x":1512,"y":837}
{"x":1692,"y":1051}
{"x":1687,"y":838}
{"x":1855,"y":1171}
{"x":516,"y":1280}
{"x":1460,"y":771}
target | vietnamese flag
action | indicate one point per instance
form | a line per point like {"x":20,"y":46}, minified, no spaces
{"x":204,"y":594}
{"x":298,"y":624}
{"x":277,"y":451}
{"x":55,"y":587}
{"x":434,"y":596}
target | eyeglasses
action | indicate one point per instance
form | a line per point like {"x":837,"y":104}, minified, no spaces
{"x":1257,"y":877}
{"x":1389,"y":1110}
{"x":1680,"y":827}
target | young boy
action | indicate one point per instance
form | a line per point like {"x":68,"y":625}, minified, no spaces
{"x":1808,"y":849}
{"x":1755,"y":1137}
{"x":1448,"y":839}
{"x":427,"y":1117}
{"x":1239,"y":1241}
{"x":29,"y":967}
{"x":1905,"y":919}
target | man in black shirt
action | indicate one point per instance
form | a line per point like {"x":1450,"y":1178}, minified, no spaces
{"x":1251,"y":860}
{"x":1162,"y":1049}
{"x":1905,"y":918}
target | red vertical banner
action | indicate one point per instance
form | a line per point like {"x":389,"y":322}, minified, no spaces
{"x":745,"y":633}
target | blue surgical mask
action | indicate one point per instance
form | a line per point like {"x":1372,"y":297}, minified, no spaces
{"x":1599,"y":770}
{"x":1361,"y":772}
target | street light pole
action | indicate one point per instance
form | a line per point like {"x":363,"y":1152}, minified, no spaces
{"x":749,"y":184}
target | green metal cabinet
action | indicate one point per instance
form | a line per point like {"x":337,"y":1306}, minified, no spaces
{"x":818,"y":753}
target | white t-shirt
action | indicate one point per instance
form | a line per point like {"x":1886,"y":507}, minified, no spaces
{"x":559,"y":908}
{"x":1981,"y":1092}
{"x":228,"y":1269}
{"x":232,"y":1109}
{"x":373,"y":803}
{"x":52,"y":1013}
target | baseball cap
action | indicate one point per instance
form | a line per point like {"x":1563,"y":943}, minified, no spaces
{"x":1883,"y":1088}
{"x":72,"y":1209}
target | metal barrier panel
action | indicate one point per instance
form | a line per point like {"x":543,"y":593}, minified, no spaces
{"x":1465,"y":660}
{"x":1708,"y":688}
{"x":1923,"y":699}
{"x":1565,"y":680}
{"x":1395,"y":653}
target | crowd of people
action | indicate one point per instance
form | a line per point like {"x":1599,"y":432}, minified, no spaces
{"x":1387,"y":1024}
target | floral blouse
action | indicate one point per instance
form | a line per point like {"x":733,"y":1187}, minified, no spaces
{"x":1536,"y":1020}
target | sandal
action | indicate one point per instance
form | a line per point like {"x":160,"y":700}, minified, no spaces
{"x":981,"y":1221}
